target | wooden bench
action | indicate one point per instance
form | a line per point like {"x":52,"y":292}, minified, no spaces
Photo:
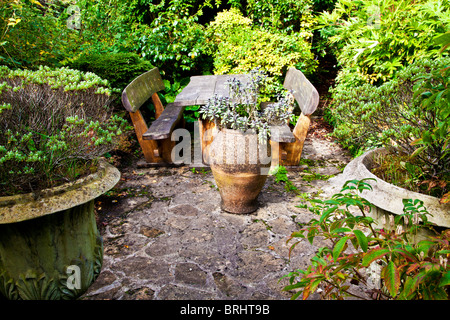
{"x":155,"y":142}
{"x":290,"y":147}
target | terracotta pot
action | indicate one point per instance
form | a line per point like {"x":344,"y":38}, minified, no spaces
{"x":50,"y":247}
{"x":240,"y":167}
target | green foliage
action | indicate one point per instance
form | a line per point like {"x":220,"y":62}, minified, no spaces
{"x":372,"y":40}
{"x":174,"y":42}
{"x":434,"y":91}
{"x":34,"y":34}
{"x":55,"y":123}
{"x":324,"y":5}
{"x":285,"y":16}
{"x":394,"y":114}
{"x":280,"y":173}
{"x":238,"y":47}
{"x":118,"y":68}
{"x":408,"y":270}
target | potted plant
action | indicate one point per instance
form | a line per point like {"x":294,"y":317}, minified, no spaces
{"x":239,"y":154}
{"x":56,"y":125}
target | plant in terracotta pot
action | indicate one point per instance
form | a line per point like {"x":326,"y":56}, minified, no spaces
{"x":56,"y":125}
{"x":239,"y":154}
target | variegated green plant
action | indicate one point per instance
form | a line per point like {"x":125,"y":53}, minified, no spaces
{"x":241,"y":110}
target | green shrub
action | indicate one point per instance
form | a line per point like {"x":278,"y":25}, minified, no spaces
{"x":409,"y":269}
{"x":390,"y":115}
{"x":286,"y":16}
{"x":118,"y":68}
{"x":238,"y":47}
{"x":372,"y":40}
{"x":55,"y":123}
{"x":173,"y":42}
{"x":34,"y":34}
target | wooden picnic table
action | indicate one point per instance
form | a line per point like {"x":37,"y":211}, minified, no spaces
{"x":156,"y":140}
{"x":202,"y":88}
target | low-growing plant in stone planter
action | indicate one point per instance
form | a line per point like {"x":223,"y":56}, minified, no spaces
{"x":56,"y":125}
{"x":240,"y":153}
{"x":386,"y":198}
{"x":410,"y":117}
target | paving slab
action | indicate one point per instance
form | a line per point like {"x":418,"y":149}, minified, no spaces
{"x":166,"y":238}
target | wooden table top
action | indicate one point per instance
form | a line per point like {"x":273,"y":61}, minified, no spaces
{"x":202,"y":88}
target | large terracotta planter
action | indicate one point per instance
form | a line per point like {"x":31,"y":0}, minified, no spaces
{"x":387,"y":198}
{"x":50,"y":247}
{"x":240,"y":167}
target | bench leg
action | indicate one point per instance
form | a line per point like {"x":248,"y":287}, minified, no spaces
{"x":289,"y":154}
{"x":149,"y":147}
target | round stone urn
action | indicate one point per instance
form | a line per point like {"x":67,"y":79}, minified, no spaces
{"x":240,"y":165}
{"x":388,"y":198}
{"x":50,"y":247}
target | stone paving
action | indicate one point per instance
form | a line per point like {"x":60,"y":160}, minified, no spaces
{"x":166,"y":238}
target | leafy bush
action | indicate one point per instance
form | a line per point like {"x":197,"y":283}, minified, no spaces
{"x":174,"y":42}
{"x":238,"y":47}
{"x":372,"y":40}
{"x":408,"y":269}
{"x":34,"y":34}
{"x":118,"y":68}
{"x":392,"y":115}
{"x":286,"y":16}
{"x":55,"y":123}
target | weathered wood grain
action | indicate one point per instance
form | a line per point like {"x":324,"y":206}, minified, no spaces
{"x":304,"y":92}
{"x":281,"y":134}
{"x":147,"y":146}
{"x":141,"y":89}
{"x":163,"y":126}
{"x":202,"y":88}
{"x":207,"y":132}
{"x":294,"y":150}
{"x":155,"y":141}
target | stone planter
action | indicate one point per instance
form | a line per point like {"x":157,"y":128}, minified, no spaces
{"x":50,"y":247}
{"x":240,"y":167}
{"x":387,"y":198}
